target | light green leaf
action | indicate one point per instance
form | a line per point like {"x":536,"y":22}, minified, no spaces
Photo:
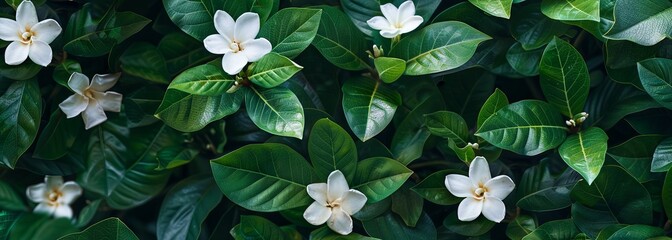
{"x":389,"y":69}
{"x":339,"y":40}
{"x":272,"y":70}
{"x":494,"y":103}
{"x":189,"y":113}
{"x":645,"y":22}
{"x":572,"y":10}
{"x":497,"y":8}
{"x":276,"y":111}
{"x":20,"y":118}
{"x":331,"y":148}
{"x":379,"y":177}
{"x":448,"y":125}
{"x":585,"y":152}
{"x":564,"y":77}
{"x":291,"y":30}
{"x":656,"y":77}
{"x":204,"y":80}
{"x":111,"y":228}
{"x":662,"y":157}
{"x":369,"y":106}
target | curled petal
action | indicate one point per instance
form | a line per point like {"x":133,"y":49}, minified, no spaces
{"x":37,"y":193}
{"x":74,"y":105}
{"x":479,"y":171}
{"x":256,"y":49}
{"x":494,"y":209}
{"x":390,"y":33}
{"x":411,"y":24}
{"x":340,"y":221}
{"x":337,"y":186}
{"x":40,"y":53}
{"x":9,"y":30}
{"x":353,"y":201}
{"x":44,"y":208}
{"x":459,"y":185}
{"x":317,"y":214}
{"x":103,"y":82}
{"x":225,"y":25}
{"x":499,"y":187}
{"x":93,"y":115}
{"x":26,"y":15}
{"x":16,"y":53}
{"x":233,"y":63}
{"x":406,"y":10}
{"x":46,"y":31}
{"x":70,"y":191}
{"x":63,"y":211}
{"x":390,"y":12}
{"x":378,"y":23}
{"x":217,"y":44}
{"x":109,"y":101}
{"x":78,"y":82}
{"x":247,"y":27}
{"x":469,"y":209}
{"x":318,"y":191}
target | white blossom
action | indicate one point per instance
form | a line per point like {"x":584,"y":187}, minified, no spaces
{"x":54,"y":197}
{"x":91,"y":99}
{"x":334,"y":203}
{"x":396,"y":21}
{"x":30,"y":38}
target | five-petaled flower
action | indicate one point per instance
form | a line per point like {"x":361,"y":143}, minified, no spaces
{"x":235,"y":39}
{"x":29,"y":38}
{"x":54,"y":197}
{"x":482,"y":193}
{"x":92,"y":100}
{"x":396,"y":21}
{"x":334,"y":203}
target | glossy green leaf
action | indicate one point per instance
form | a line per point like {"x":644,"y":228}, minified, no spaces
{"x":37,"y":226}
{"x":93,"y":42}
{"x":525,"y":62}
{"x":520,"y":227}
{"x":111,"y":228}
{"x":264,"y":177}
{"x":23,"y":71}
{"x":434,"y":189}
{"x":667,"y":194}
{"x":272,"y":70}
{"x":172,"y":157}
{"x":448,"y":125}
{"x":182,"y":52}
{"x":324,"y":233}
{"x":389,"y":69}
{"x":541,"y":194}
{"x":662,"y":157}
{"x":495,"y":102}
{"x":408,"y":205}
{"x":204,"y":80}
{"x":645,"y":22}
{"x":478,"y":226}
{"x":379,"y":177}
{"x":635,"y":155}
{"x":189,"y":113}
{"x":58,"y":136}
{"x":20,"y":118}
{"x":291,"y":30}
{"x":331,"y":148}
{"x":339,"y":40}
{"x":656,"y":77}
{"x":564,"y":77}
{"x":554,"y":230}
{"x":611,"y":102}
{"x":369,"y":106}
{"x":638,"y":232}
{"x":276,"y":111}
{"x":497,"y":8}
{"x":64,"y":70}
{"x":253,"y":227}
{"x":87,"y":213}
{"x":9,"y":199}
{"x":533,"y":29}
{"x":465,"y":92}
{"x":145,"y":61}
{"x":390,"y":226}
{"x":585,"y":152}
{"x":572,"y":10}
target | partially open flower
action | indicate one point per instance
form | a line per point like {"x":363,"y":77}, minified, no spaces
{"x":91,"y":99}
{"x":396,"y":21}
{"x":30,"y":39}
{"x":334,"y":203}
{"x":54,"y":197}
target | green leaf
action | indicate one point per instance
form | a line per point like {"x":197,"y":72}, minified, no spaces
{"x":540,"y":193}
{"x":408,"y":205}
{"x":9,"y":199}
{"x":7,"y":220}
{"x":645,"y":22}
{"x":479,"y":226}
{"x":58,"y":136}
{"x":436,"y":49}
{"x":532,"y":29}
{"x":189,"y":113}
{"x":564,"y":77}
{"x":84,"y":41}
{"x":37,"y":226}
{"x":324,"y":233}
{"x":466,"y":91}
{"x":272,"y":70}
{"x":525,"y":62}
{"x":572,"y":10}
{"x":172,"y":157}
{"x":111,"y":228}
{"x":390,"y":226}
{"x":448,"y":125}
{"x":23,"y":71}
{"x":611,"y":102}
{"x":635,"y":155}
{"x":434,"y":189}
{"x":253,"y":227}
{"x":204,"y":80}
{"x":495,"y":102}
{"x":331,"y":148}
{"x":585,"y":152}
{"x":521,"y":226}
{"x":87,"y":213}
{"x":186,"y":207}
{"x":638,"y":232}
{"x":264,"y":177}
{"x":389,"y":69}
{"x":64,"y":70}
{"x":554,"y":230}
{"x":497,"y":8}
{"x":379,"y":177}
{"x":656,"y":77}
{"x":662,"y":157}
{"x":276,"y":111}
{"x":20,"y":118}
{"x":369,"y":106}
{"x":339,"y":40}
{"x":291,"y":30}
{"x":143,"y":60}
{"x":182,"y":52}
{"x":667,"y":194}
{"x":528,"y":127}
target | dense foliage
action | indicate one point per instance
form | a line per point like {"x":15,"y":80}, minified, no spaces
{"x":325,"y":119}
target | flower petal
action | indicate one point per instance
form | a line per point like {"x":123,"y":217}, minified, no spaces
{"x":46,"y":31}
{"x":411,"y":24}
{"x":469,"y":209}
{"x":103,"y":82}
{"x":233,"y":63}
{"x":9,"y":30}
{"x":406,"y":10}
{"x":390,"y":33}
{"x":225,"y":25}
{"x":494,"y":209}
{"x":390,"y":12}
{"x":63,"y":211}
{"x":37,"y":193}
{"x":499,"y":187}
{"x":26,"y":15}
{"x":340,"y":221}
{"x":44,"y":208}
{"x":247,"y":27}
{"x":318,"y":191}
{"x":353,"y":201}
{"x":78,"y":82}
{"x":337,"y":186}
{"x":378,"y":23}
{"x":16,"y":53}
{"x":71,"y":191}
{"x":74,"y":105}
{"x":40,"y":53}
{"x":53,"y":182}
{"x":317,"y":214}
{"x":217,"y":44}
{"x":479,"y":171}
{"x":93,"y":115}
{"x":459,"y":185}
{"x":255,"y":49}
{"x":109,"y":101}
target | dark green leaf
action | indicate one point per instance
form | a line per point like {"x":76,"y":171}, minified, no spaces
{"x":645,"y":22}
{"x":33,"y":227}
{"x":145,"y":61}
{"x":554,"y":230}
{"x":9,"y":199}
{"x":656,"y":77}
{"x":408,"y":205}
{"x":111,"y":228}
{"x":638,"y":232}
{"x":331,"y":148}
{"x":635,"y":155}
{"x":495,"y":102}
{"x":540,"y":194}
{"x":276,"y":111}
{"x":667,"y":194}
{"x":253,"y":227}
{"x":182,"y":52}
{"x":172,"y":157}
{"x":272,"y":70}
{"x":64,"y":70}
{"x":87,"y":213}
{"x":390,"y":226}
{"x":477,"y":227}
{"x":204,"y":80}
{"x":433,"y":188}
{"x":448,"y":125}
{"x":93,"y":42}
{"x":662,"y":157}
{"x":379,"y":177}
{"x":339,"y":40}
{"x":291,"y":30}
{"x":369,"y":106}
{"x":20,"y":118}
{"x":585,"y":152}
{"x":520,"y":227}
{"x":189,"y":113}
{"x":564,"y":77}
{"x":23,"y":71}
{"x":324,"y":233}
{"x":525,"y":62}
{"x":532,"y":29}
{"x":58,"y":136}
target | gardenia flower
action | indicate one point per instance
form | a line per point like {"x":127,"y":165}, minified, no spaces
{"x":29,"y":38}
{"x":236,"y":41}
{"x":54,"y":197}
{"x":91,"y":99}
{"x":482,"y":193}
{"x":334,"y":203}
{"x":396,"y":21}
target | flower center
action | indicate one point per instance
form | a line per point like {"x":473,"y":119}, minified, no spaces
{"x":27,"y":36}
{"x":88,"y":93}
{"x":479,"y":193}
{"x":334,"y":204}
{"x":235,"y":46}
{"x":53,"y":198}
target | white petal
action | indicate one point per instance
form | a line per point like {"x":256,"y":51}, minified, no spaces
{"x":217,"y":44}
{"x":318,"y":191}
{"x":46,"y":31}
{"x":233,"y":63}
{"x":74,"y":105}
{"x":93,"y":115}
{"x":103,"y":82}
{"x":26,"y":15}
{"x":63,"y":211}
{"x":16,"y":53}
{"x":78,"y":82}
{"x":255,"y":49}
{"x":378,"y":23}
{"x":247,"y":27}
{"x":479,"y":171}
{"x":317,"y":214}
{"x":459,"y":185}
{"x":71,"y":191}
{"x":40,"y":53}
{"x":9,"y":30}
{"x":406,"y":10}
{"x":390,"y":33}
{"x":469,"y":209}
{"x":44,"y":208}
{"x":353,"y":201}
{"x":499,"y":187}
{"x":337,"y":186}
{"x":340,"y":221}
{"x":109,"y":101}
{"x":494,"y":209}
{"x":390,"y":12}
{"x":411,"y":24}
{"x":37,"y":193}
{"x":53,"y":182}
{"x":225,"y":25}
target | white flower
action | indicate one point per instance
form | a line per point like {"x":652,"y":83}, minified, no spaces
{"x":236,"y":41}
{"x":54,"y":197}
{"x":29,"y":38}
{"x":396,"y":21}
{"x":334,"y":203}
{"x":481,"y":192}
{"x":91,"y":99}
